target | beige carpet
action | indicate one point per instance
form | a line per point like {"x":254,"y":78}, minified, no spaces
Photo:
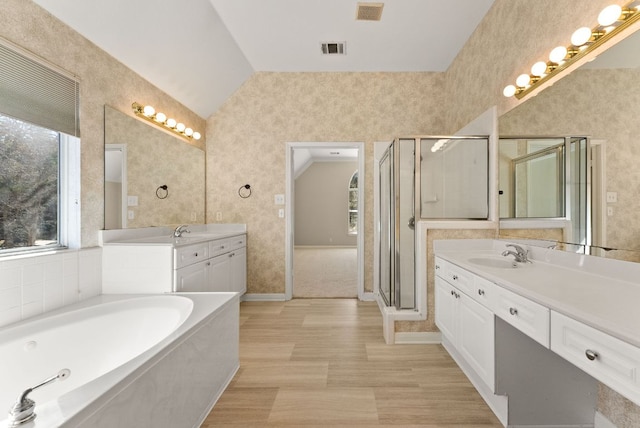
{"x":325,"y":272}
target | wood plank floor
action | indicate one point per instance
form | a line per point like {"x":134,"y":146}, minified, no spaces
{"x":324,"y":363}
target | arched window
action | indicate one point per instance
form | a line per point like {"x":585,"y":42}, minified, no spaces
{"x":353,"y":205}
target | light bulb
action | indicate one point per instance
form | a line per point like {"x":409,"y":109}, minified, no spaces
{"x":539,"y":68}
{"x":188,"y":132}
{"x":558,"y":54}
{"x":523,"y":80}
{"x":171,"y":123}
{"x":180,"y":127}
{"x":161,"y":117}
{"x":509,"y":91}
{"x":609,"y":15}
{"x":196,"y":135}
{"x":581,"y":36}
{"x":148,"y":111}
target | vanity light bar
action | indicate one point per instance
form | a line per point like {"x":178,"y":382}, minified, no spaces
{"x":611,"y":21}
{"x":160,"y":119}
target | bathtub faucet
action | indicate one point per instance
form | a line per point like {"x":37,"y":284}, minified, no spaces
{"x":180,"y":230}
{"x":22,"y":410}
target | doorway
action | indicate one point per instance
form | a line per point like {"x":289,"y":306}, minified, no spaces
{"x":324,"y":217}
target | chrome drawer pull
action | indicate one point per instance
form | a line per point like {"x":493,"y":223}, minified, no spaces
{"x":513,"y":311}
{"x":591,"y":355}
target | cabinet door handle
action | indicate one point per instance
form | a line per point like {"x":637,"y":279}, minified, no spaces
{"x":591,"y":355}
{"x":455,"y":277}
{"x":453,"y":293}
{"x":208,"y":263}
{"x":437,"y":267}
{"x":232,"y":254}
{"x":513,"y":311}
{"x":195,"y":254}
{"x":480,"y":292}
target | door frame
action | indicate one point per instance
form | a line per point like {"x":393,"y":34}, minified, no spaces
{"x":122,"y":148}
{"x":290,"y":211}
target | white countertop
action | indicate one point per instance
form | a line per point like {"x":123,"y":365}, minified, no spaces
{"x":164,"y":235}
{"x":602,"y":293}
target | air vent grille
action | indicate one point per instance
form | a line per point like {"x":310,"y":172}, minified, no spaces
{"x":333,"y":48}
{"x":369,"y":11}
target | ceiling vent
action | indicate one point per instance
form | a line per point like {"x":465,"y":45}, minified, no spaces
{"x":369,"y":11}
{"x":333,"y":48}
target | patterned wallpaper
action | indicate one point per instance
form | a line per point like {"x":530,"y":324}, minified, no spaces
{"x":103,"y":80}
{"x":246,"y":141}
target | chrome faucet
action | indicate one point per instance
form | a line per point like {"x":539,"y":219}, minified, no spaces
{"x":183,"y":228}
{"x":520,"y":254}
{"x":23,"y":410}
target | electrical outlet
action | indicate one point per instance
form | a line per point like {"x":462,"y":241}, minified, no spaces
{"x":612,"y":197}
{"x":131,"y":215}
{"x":219,"y":216}
{"x":281,"y":213}
{"x":132,"y":201}
{"x":279,"y":199}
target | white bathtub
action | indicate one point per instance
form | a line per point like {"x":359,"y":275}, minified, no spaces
{"x":138,"y":361}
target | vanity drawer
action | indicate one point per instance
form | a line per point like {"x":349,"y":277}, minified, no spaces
{"x":191,"y":254}
{"x":441,"y":267}
{"x":484,"y":291}
{"x":236,"y":242}
{"x":219,"y":246}
{"x":529,"y":317}
{"x":461,"y":278}
{"x":606,"y":358}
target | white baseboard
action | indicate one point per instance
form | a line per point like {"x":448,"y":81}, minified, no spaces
{"x":601,"y":421}
{"x":419,"y":338}
{"x":276,"y":297}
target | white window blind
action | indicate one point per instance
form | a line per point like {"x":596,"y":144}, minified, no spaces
{"x":33,"y":92}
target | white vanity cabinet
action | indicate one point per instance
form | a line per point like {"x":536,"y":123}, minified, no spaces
{"x":467,"y":325}
{"x":218,"y":265}
{"x":606,"y":358}
{"x":161,"y":264}
{"x":227,"y":270}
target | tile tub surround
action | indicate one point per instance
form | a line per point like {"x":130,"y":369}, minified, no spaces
{"x":37,"y":283}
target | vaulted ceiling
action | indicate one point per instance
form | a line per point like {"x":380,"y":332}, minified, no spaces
{"x":201,"y":51}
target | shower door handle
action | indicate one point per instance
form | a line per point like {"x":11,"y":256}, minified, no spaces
{"x":412,"y":223}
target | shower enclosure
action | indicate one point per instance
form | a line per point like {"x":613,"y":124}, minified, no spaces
{"x":433,"y":178}
{"x":397,"y":224}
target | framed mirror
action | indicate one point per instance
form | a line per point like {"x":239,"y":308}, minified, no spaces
{"x":152,"y":178}
{"x":601,"y":100}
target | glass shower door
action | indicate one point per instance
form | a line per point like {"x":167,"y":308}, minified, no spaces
{"x":397,"y":225}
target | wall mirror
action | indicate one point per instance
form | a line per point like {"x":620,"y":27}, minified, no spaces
{"x":601,"y":100}
{"x":139,"y":162}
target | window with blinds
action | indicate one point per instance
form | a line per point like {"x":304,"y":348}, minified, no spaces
{"x":38,"y":125}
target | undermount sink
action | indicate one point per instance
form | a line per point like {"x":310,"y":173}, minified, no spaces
{"x":494,"y":262}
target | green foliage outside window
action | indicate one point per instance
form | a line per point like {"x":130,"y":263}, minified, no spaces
{"x":29,"y":162}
